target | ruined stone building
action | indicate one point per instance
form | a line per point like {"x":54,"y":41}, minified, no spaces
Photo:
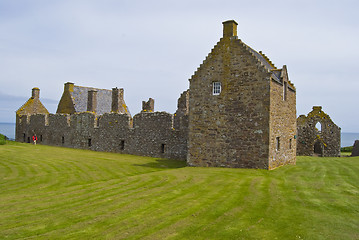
{"x":317,"y":134}
{"x":239,"y":111}
{"x":355,"y":151}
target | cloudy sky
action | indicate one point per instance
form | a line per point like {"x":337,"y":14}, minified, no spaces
{"x":151,"y":48}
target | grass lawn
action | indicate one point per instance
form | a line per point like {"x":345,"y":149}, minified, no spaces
{"x":59,"y":193}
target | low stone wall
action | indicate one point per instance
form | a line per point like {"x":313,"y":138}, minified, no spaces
{"x":147,"y":134}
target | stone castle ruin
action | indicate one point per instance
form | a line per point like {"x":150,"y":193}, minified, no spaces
{"x":239,"y":111}
{"x":317,"y":134}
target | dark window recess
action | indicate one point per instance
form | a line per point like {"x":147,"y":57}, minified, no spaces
{"x":63,"y":140}
{"x":28,"y":139}
{"x":163,"y":148}
{"x":40,"y":138}
{"x":122,"y":145}
{"x":277,"y":143}
{"x":290,"y":143}
{"x":89,"y":142}
{"x":24,"y":137}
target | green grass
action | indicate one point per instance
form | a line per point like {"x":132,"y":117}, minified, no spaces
{"x":2,"y":139}
{"x":347,"y":149}
{"x":58,"y":193}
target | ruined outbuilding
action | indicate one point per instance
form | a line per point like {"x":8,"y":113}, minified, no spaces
{"x":318,"y":135}
{"x":355,"y":151}
{"x":239,"y":111}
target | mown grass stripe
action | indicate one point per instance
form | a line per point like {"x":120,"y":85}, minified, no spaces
{"x":51,"y":193}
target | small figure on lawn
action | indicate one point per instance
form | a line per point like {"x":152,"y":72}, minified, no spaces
{"x":34,"y":138}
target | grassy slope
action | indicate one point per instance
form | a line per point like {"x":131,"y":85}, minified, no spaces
{"x":58,"y":193}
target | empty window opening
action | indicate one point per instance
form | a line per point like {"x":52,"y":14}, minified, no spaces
{"x":28,"y":139}
{"x":277,"y":146}
{"x":290,"y":143}
{"x":216,"y":88}
{"x":24,"y":135}
{"x":318,"y":126}
{"x":122,"y":144}
{"x":40,"y":138}
{"x":163,"y":148}
{"x":63,"y":140}
{"x":285,"y":87}
{"x":89,"y":142}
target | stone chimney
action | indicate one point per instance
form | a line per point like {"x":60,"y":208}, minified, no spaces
{"x":317,"y":108}
{"x":92,"y":101}
{"x":230,"y":28}
{"x":148,"y":106}
{"x":117,"y":100}
{"x":35,"y":93}
{"x":69,"y":86}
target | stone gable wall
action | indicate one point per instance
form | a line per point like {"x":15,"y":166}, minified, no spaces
{"x":327,"y":140}
{"x":230,"y":129}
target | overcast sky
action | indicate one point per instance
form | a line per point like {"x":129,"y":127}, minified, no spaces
{"x":151,"y":48}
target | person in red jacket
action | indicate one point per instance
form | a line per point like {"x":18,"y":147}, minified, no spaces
{"x":34,"y":138}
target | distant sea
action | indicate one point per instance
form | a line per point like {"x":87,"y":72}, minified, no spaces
{"x":348,"y":139}
{"x":8,"y":129}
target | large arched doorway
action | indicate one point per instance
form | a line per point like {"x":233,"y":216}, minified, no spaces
{"x":318,"y":148}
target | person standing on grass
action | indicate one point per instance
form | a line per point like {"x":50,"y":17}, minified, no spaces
{"x":34,"y":138}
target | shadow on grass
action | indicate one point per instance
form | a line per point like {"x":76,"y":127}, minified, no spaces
{"x":164,"y":164}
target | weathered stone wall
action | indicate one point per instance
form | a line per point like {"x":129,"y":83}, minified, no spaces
{"x":230,"y":129}
{"x":312,"y":141}
{"x":355,"y":151}
{"x":152,"y":133}
{"x":238,"y":112}
{"x":238,"y":127}
{"x":282,"y":142}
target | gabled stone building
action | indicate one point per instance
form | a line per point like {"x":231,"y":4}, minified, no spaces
{"x":77,"y":99}
{"x":318,"y":134}
{"x":240,"y":111}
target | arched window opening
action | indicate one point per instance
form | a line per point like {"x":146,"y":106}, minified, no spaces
{"x":318,"y":126}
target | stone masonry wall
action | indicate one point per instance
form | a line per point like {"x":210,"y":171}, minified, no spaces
{"x":282,"y":140}
{"x":152,"y":134}
{"x":230,"y":129}
{"x":312,"y":141}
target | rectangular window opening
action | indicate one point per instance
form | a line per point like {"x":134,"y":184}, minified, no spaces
{"x":63,"y":140}
{"x":277,"y":147}
{"x":216,"y":88}
{"x":24,"y":135}
{"x":122,"y":144}
{"x":89,"y":142}
{"x":290,"y":143}
{"x":163,"y":148}
{"x":40,"y":138}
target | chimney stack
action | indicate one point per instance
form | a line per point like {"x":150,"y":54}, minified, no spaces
{"x":230,"y":28}
{"x":117,"y":100}
{"x":148,"y":106}
{"x":69,"y":87}
{"x":35,"y":93}
{"x":92,"y":101}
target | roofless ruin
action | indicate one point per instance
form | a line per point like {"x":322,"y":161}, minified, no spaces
{"x":239,"y":111}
